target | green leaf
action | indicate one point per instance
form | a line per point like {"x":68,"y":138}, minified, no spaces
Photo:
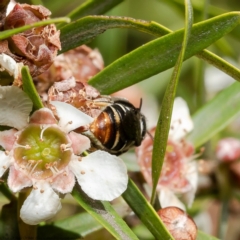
{"x":8,"y":33}
{"x":141,"y":231}
{"x":220,"y":63}
{"x":163,"y":125}
{"x":29,"y":88}
{"x":91,"y":7}
{"x":162,"y":130}
{"x":79,"y":225}
{"x":145,"y":61}
{"x":86,"y":29}
{"x":203,"y":236}
{"x":145,"y":212}
{"x":215,"y":115}
{"x":104,"y":213}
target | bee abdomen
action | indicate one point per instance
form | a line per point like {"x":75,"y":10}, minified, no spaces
{"x":102,"y":128}
{"x":106,"y":128}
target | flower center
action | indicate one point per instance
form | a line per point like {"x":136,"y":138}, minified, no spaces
{"x":42,"y":153}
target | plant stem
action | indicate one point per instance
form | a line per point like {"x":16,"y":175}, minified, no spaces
{"x":6,"y":192}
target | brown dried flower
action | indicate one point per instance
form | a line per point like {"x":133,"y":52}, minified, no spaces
{"x":178,"y":223}
{"x":77,"y":94}
{"x":36,"y":47}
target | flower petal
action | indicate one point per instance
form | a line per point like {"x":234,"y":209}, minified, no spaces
{"x":43,"y":116}
{"x":70,"y":117}
{"x":181,"y":122}
{"x":64,"y":182}
{"x":7,"y":139}
{"x":101,"y":175}
{"x":15,"y":107}
{"x":18,"y":180}
{"x":42,"y":203}
{"x":167,"y":198}
{"x":4,"y":162}
{"x":192,"y":177}
{"x":80,"y":143}
{"x":9,"y":64}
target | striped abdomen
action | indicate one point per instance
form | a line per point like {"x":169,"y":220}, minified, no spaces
{"x":107,"y":127}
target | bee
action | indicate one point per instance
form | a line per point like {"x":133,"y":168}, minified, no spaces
{"x":118,"y":127}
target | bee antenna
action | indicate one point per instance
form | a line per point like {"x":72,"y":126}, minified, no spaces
{"x":150,"y":135}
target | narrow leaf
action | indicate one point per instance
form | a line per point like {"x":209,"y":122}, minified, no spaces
{"x":74,"y":227}
{"x":91,"y":7}
{"x":145,"y":212}
{"x":215,"y":115}
{"x":8,"y":33}
{"x":87,"y":28}
{"x":220,"y":63}
{"x":163,"y":125}
{"x":145,"y":61}
{"x":104,"y":213}
{"x":29,"y":88}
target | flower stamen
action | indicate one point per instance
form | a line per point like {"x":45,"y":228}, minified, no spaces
{"x":65,"y":147}
{"x":29,"y":164}
{"x":43,"y":128}
{"x":37,"y":162}
{"x":27,"y":146}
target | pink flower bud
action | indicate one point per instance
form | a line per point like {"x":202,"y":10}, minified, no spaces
{"x":228,"y":149}
{"x":178,"y":223}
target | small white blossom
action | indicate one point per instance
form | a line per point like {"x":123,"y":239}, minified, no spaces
{"x":44,"y":154}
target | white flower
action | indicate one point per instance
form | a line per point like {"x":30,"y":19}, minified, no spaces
{"x":179,"y":172}
{"x":181,"y":122}
{"x":45,"y":154}
{"x":10,"y":65}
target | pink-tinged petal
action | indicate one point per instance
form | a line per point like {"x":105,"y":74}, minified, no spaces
{"x":192,"y":177}
{"x":181,"y":122}
{"x":18,"y":180}
{"x":15,"y":107}
{"x":228,"y":149}
{"x":80,"y":143}
{"x":42,"y":204}
{"x":64,"y":182}
{"x":70,"y":117}
{"x":4,"y":162}
{"x":43,"y":116}
{"x":7,"y":139}
{"x":168,"y":199}
{"x":102,"y":176}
